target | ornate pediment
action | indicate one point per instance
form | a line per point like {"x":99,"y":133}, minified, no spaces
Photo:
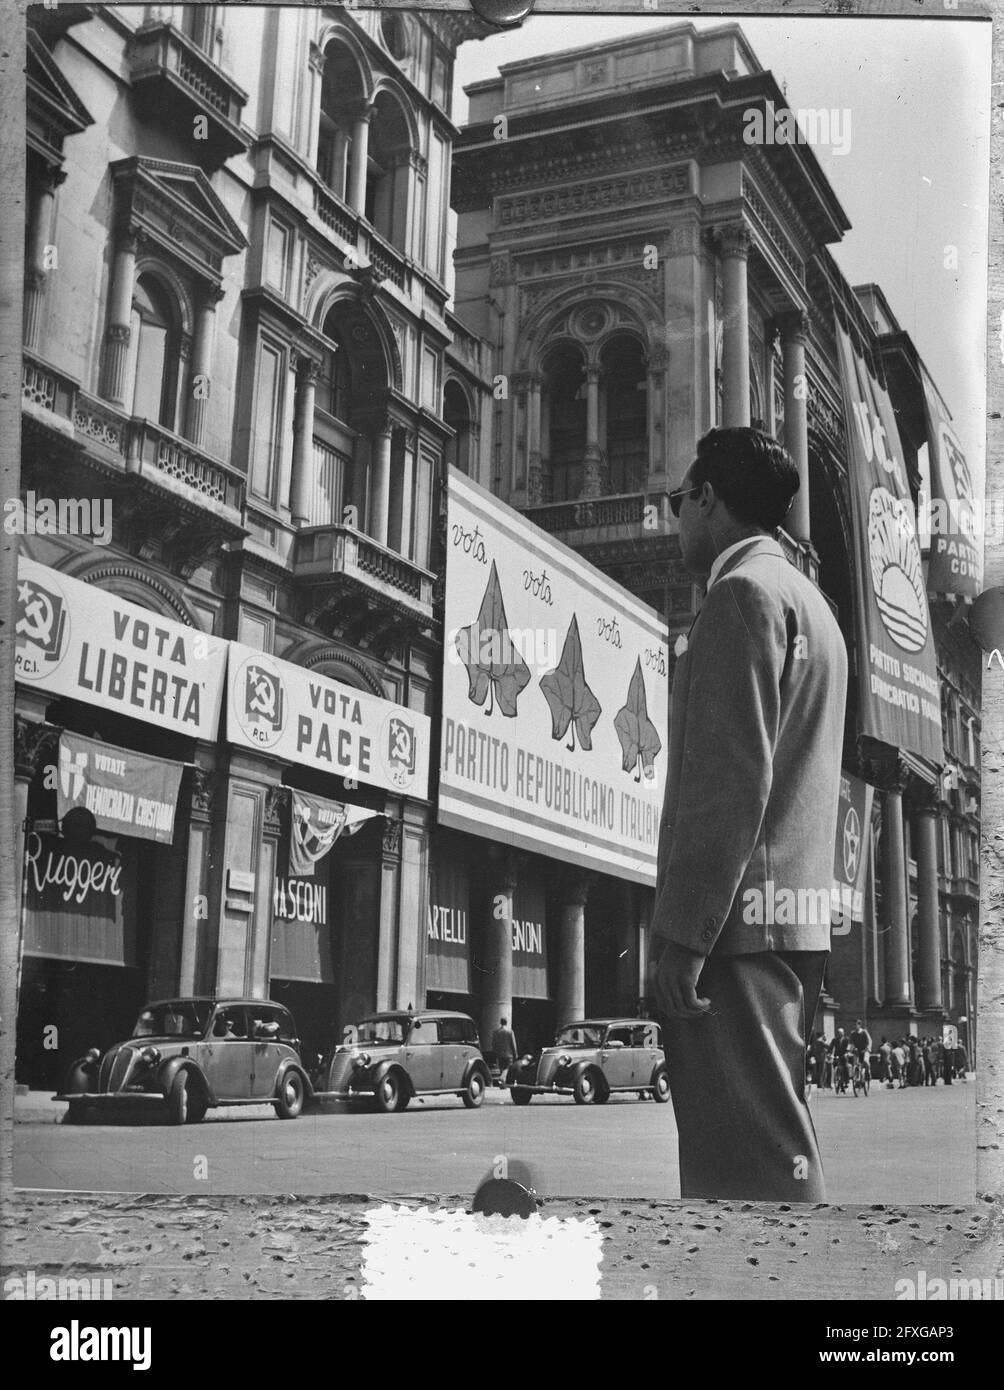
{"x":175,"y":206}
{"x":54,"y":109}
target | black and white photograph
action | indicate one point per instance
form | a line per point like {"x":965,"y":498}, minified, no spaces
{"x":501,"y":619}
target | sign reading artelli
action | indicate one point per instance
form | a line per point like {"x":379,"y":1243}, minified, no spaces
{"x":280,"y":708}
{"x":900,"y":694}
{"x":84,"y":643}
{"x":555,"y":696}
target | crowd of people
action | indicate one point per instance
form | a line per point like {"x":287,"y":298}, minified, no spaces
{"x":909,"y":1061}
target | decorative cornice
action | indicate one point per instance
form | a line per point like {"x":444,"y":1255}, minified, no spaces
{"x":34,"y":745}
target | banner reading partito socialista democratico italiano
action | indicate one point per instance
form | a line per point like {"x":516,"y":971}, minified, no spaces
{"x":900,"y":701}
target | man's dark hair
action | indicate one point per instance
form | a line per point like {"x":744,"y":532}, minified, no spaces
{"x":750,"y":472}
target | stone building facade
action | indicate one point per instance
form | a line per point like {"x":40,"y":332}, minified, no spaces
{"x":649,"y":273}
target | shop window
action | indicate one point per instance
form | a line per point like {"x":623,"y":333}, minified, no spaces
{"x":394,"y":35}
{"x":155,"y":346}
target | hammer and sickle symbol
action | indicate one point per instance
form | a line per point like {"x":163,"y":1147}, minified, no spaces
{"x":36,"y":624}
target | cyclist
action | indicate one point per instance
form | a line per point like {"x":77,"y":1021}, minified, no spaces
{"x":862,"y":1040}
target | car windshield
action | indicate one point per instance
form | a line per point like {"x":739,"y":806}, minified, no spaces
{"x":181,"y":1018}
{"x":376,"y":1030}
{"x":580,"y":1035}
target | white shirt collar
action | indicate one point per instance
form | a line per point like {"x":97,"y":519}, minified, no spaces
{"x":729,"y":550}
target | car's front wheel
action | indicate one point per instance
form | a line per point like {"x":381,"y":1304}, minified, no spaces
{"x":178,"y":1100}
{"x":584,"y":1089}
{"x":660,"y":1086}
{"x":290,"y":1097}
{"x":76,"y":1113}
{"x":474,"y":1092}
{"x":390,"y":1094}
{"x":520,"y":1095}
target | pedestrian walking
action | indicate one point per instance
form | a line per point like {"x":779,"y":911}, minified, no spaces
{"x":885,"y":1062}
{"x":504,"y":1047}
{"x":755,"y":737}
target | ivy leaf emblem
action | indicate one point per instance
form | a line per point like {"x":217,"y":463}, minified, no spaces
{"x":568,"y":696}
{"x":639,"y":738}
{"x":494,"y":666}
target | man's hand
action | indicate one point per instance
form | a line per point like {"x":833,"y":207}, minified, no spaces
{"x":676,"y":982}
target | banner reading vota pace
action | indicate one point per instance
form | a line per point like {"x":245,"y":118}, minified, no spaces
{"x":555,"y":696}
{"x":296,"y":714}
{"x":900,"y":695}
{"x":82,"y":642}
{"x":954,"y":523}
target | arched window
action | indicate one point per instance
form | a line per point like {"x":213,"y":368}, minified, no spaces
{"x":341,"y":95}
{"x":456,"y":413}
{"x":388,"y":171}
{"x":626,"y":381}
{"x":564,"y":399}
{"x":394,"y":34}
{"x":155,"y":348}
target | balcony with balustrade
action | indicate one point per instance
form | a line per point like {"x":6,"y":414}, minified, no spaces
{"x":164,"y":490}
{"x":361,"y":589}
{"x":174,"y":82}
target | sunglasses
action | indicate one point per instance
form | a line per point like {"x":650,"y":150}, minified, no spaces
{"x":676,"y":498}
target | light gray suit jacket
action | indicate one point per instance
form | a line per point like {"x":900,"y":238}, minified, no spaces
{"x":755,"y":743}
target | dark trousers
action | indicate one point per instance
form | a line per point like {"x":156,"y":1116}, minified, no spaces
{"x":738,"y":1080}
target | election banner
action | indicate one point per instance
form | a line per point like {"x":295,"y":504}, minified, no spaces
{"x":555,"y":696}
{"x":315,"y":825}
{"x":294,"y":713}
{"x":900,"y":698}
{"x":448,"y":951}
{"x":84,"y":643}
{"x":127,"y":793}
{"x":850,"y":851}
{"x":951,"y":521}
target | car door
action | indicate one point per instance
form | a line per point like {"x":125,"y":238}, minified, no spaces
{"x":648,"y":1053}
{"x":265,"y":1051}
{"x":228,"y":1061}
{"x":423,"y":1055}
{"x":618,"y":1061}
{"x":455,"y":1051}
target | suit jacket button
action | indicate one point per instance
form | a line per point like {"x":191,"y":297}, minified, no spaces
{"x":711,"y":923}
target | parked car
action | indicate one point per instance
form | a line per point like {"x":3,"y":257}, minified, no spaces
{"x":594,"y":1060}
{"x":390,"y":1057}
{"x":188,"y":1055}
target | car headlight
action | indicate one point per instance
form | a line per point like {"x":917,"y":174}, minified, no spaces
{"x":93,"y":1056}
{"x":363,"y":1060}
{"x":525,"y":1060}
{"x":151,"y":1056}
{"x":564,"y":1060}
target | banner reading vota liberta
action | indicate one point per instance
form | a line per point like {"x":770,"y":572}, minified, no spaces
{"x":555,"y":696}
{"x":900,"y":695}
{"x":307,"y":718}
{"x":75,"y":640}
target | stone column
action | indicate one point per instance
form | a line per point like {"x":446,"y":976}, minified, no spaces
{"x":658,"y":364}
{"x":495,"y":962}
{"x":202,"y":366}
{"x":412,"y":918}
{"x":929,"y":994}
{"x":201,"y":895}
{"x":534,"y":469}
{"x":119,"y":318}
{"x":39,"y":231}
{"x":312,"y":122}
{"x":390,"y":870}
{"x":356,"y":197}
{"x":794,"y":333}
{"x":592,"y":469}
{"x":896,"y":904}
{"x":307,"y":370}
{"x":570,"y":989}
{"x":380,"y":490}
{"x":735,"y":246}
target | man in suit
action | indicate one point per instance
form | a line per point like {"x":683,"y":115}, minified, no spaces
{"x":746,"y":847}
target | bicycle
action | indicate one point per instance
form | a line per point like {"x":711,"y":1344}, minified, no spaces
{"x":861,"y":1078}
